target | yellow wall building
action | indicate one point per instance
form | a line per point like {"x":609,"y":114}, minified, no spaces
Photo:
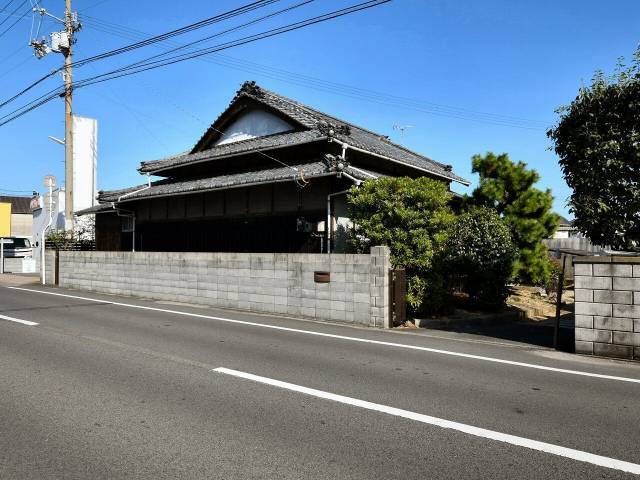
{"x":5,"y":220}
{"x":16,"y":217}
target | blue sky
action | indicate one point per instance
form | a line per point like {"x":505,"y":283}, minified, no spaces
{"x":464,"y":66}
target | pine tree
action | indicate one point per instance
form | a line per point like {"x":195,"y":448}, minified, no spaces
{"x":508,"y":188}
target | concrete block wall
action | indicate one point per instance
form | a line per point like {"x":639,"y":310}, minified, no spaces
{"x":277,"y":283}
{"x":607,"y":306}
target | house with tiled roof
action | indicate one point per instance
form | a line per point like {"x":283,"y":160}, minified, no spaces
{"x":269,"y":175}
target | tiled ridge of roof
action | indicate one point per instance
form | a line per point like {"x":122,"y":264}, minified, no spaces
{"x":366,"y":139}
{"x":318,"y":125}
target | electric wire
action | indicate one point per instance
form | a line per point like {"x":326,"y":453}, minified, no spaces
{"x":180,"y":31}
{"x":149,"y":41}
{"x":15,"y":67}
{"x":145,"y":64}
{"x":15,"y":22}
{"x":341,"y":89}
{"x":299,"y":177}
{"x":200,"y":41}
{"x":99,"y":2}
{"x":6,"y":5}
{"x":150,"y":64}
{"x":13,"y":12}
{"x":52,"y":94}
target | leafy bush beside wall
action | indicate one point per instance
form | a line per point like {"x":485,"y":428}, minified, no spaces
{"x":480,"y":252}
{"x":411,"y":217}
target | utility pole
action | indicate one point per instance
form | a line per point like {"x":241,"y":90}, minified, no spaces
{"x":62,"y":42}
{"x":68,"y":118}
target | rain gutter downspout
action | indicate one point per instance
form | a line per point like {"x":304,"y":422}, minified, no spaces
{"x":329,"y":226}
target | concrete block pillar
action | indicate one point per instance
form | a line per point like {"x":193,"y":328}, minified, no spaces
{"x":607,"y":306}
{"x":379,"y":286}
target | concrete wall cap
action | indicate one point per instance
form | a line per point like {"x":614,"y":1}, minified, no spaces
{"x":619,"y":259}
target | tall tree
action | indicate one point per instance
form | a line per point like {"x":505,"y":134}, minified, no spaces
{"x":508,"y":188}
{"x":598,"y":141}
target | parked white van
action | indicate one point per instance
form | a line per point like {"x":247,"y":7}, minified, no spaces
{"x":17,"y":247}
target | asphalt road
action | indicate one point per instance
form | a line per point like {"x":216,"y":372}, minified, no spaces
{"x":98,"y":390}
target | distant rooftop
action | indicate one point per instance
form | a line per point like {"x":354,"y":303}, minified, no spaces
{"x":19,"y":204}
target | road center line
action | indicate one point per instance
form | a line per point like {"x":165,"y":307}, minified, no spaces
{"x":17,"y":320}
{"x":439,"y":422}
{"x":346,"y":338}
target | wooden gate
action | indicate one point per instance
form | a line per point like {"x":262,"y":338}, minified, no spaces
{"x":397,"y":296}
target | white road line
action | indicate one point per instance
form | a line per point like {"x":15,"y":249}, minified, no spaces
{"x":17,"y":320}
{"x":347,"y":338}
{"x":439,"y":422}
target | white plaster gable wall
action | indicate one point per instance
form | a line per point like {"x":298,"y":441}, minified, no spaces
{"x":252,"y":124}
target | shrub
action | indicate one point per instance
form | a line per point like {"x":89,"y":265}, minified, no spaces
{"x":481,"y":252}
{"x":411,"y":217}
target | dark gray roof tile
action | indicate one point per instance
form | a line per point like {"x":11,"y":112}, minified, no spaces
{"x":172,"y":187}
{"x":100,"y":208}
{"x":221,"y":151}
{"x":315,"y":125}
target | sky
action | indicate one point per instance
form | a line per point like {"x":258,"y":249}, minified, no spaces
{"x":466,"y":77}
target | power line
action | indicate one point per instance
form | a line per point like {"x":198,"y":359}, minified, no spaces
{"x":12,"y":54}
{"x":150,"y":64}
{"x":6,"y":5}
{"x":180,"y":31}
{"x":341,"y":89}
{"x":9,"y":15}
{"x":179,"y":58}
{"x":209,"y":21}
{"x":115,"y":99}
{"x":15,"y":67}
{"x":143,"y":65}
{"x":16,"y":21}
{"x":99,"y":2}
{"x":200,"y":41}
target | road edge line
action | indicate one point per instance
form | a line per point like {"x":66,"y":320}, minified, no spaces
{"x":348,"y":338}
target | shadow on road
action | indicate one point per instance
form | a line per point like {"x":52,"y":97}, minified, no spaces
{"x":534,"y":332}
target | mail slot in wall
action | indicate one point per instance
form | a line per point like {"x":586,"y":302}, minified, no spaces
{"x":322,"y":277}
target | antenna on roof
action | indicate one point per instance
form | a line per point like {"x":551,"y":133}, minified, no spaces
{"x":402,"y":128}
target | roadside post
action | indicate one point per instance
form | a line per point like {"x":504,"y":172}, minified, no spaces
{"x":5,"y":229}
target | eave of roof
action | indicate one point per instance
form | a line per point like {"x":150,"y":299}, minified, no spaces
{"x":166,"y":188}
{"x":100,"y":208}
